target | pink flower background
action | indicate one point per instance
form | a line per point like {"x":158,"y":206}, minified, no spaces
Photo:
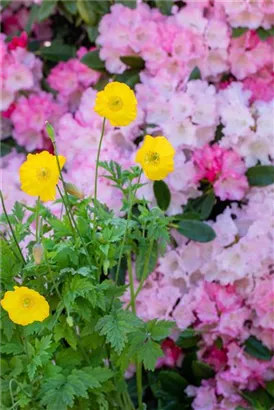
{"x":224,"y":288}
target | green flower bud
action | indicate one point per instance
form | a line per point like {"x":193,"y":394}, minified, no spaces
{"x":69,"y":321}
{"x":37,"y":252}
{"x":73,"y":190}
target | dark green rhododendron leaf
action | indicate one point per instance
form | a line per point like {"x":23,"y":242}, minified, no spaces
{"x":33,"y":15}
{"x":188,"y":339}
{"x":133,"y":61}
{"x":196,"y":230}
{"x":102,"y":7}
{"x":172,"y":383}
{"x":195,"y":74}
{"x":238,"y":31}
{"x":202,"y":370}
{"x":70,"y":6}
{"x":87,"y":11}
{"x":260,"y":175}
{"x":263,"y":34}
{"x":92,"y":33}
{"x":58,"y":51}
{"x":256,"y":348}
{"x":270,"y":388}
{"x":162,"y":194}
{"x":5,"y":149}
{"x":92,"y":60}
{"x":207,"y":205}
{"x":164,"y":6}
{"x":46,"y":9}
{"x":259,"y":399}
{"x":128,"y":3}
{"x":130,"y":77}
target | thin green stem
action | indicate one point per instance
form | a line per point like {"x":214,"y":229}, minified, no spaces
{"x":50,"y":272}
{"x":123,"y":243}
{"x":132,"y":195}
{"x":37,"y":219}
{"x":145,"y":272}
{"x":67,"y":211}
{"x":97,"y":159}
{"x":139,"y":384}
{"x":131,"y":283}
{"x":67,"y":204}
{"x":25,"y":338}
{"x":11,"y":392}
{"x":11,"y":228}
{"x":96,"y":173}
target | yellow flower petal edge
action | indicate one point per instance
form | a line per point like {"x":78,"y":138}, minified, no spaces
{"x":117,"y":103}
{"x":25,"y":306}
{"x":156,"y":157}
{"x":39,"y":175}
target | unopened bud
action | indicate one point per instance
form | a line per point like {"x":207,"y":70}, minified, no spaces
{"x":50,"y":131}
{"x":73,"y":190}
{"x":69,"y":321}
{"x":37,"y":252}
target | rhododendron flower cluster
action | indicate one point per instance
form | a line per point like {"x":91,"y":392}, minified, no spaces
{"x":204,"y":80}
{"x":224,"y":169}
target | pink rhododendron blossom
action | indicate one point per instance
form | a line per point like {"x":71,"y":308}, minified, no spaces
{"x":172,"y":354}
{"x":40,"y":108}
{"x":224,"y":169}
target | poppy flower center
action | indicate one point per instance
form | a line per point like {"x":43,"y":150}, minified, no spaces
{"x":43,"y":174}
{"x":27,"y":302}
{"x":115,"y":103}
{"x":152,"y":158}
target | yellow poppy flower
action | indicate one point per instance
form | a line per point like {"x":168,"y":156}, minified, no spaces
{"x":117,"y":103}
{"x":156,"y":157}
{"x":39,"y":175}
{"x":25,"y":306}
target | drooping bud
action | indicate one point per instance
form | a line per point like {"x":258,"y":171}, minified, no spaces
{"x":37,"y":252}
{"x":73,"y":190}
{"x":50,"y":131}
{"x":69,"y":321}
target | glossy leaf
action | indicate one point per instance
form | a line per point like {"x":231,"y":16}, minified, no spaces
{"x":260,"y":175}
{"x":87,"y":12}
{"x":58,"y":51}
{"x":202,"y":370}
{"x":128,"y":3}
{"x":70,"y":6}
{"x":164,"y":6}
{"x":195,"y":74}
{"x":172,"y":383}
{"x":129,"y":77}
{"x":188,"y":339}
{"x":46,"y":9}
{"x":162,"y":194}
{"x":133,"y":61}
{"x":207,"y":205}
{"x":196,"y":230}
{"x":256,"y":348}
{"x":238,"y":31}
{"x":92,"y":60}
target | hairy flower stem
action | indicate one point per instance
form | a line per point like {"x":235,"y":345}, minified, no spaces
{"x":139,"y":385}
{"x":37,"y":219}
{"x":11,"y":228}
{"x":132,"y":195}
{"x":131,"y":283}
{"x":96,"y":173}
{"x":67,"y":211}
{"x":145,"y":273}
{"x":132,"y":301}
